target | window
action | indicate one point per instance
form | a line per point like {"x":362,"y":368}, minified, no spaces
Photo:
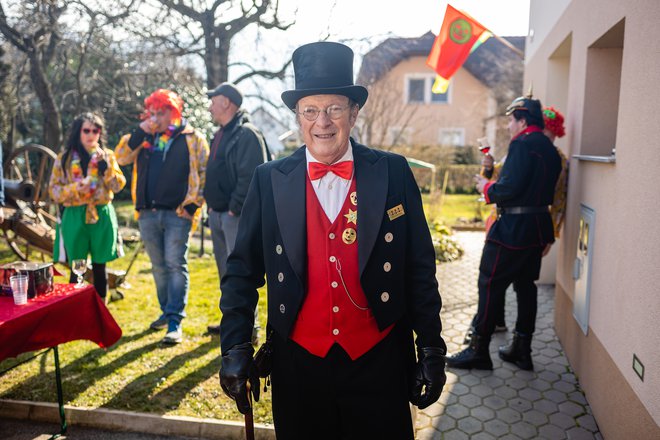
{"x":419,"y":90}
{"x":454,"y":137}
{"x":601,"y":103}
{"x":416,"y":90}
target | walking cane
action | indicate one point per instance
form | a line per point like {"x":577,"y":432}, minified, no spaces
{"x":249,"y":419}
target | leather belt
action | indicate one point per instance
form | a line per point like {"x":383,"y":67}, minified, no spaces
{"x":522,"y":210}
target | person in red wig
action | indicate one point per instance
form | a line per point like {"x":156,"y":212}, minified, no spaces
{"x":169,"y":158}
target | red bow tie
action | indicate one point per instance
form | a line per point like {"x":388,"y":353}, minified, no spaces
{"x":342,"y":169}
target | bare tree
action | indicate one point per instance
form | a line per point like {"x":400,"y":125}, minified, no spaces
{"x":37,"y":34}
{"x":36,"y":30}
{"x":207,"y":28}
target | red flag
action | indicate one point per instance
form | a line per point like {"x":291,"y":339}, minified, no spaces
{"x":453,"y":44}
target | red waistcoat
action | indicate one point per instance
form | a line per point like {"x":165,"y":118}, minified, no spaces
{"x":328,"y":313}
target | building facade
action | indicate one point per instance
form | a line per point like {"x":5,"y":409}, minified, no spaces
{"x":599,"y":62}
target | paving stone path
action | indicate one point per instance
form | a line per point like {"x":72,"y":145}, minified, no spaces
{"x":506,"y":403}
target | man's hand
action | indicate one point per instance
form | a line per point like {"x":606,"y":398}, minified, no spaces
{"x":235,"y":371}
{"x":147,"y":126}
{"x":480,"y":181}
{"x":488,"y":162}
{"x":429,"y":373}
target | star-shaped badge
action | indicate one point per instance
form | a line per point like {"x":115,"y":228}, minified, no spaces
{"x":351,"y":217}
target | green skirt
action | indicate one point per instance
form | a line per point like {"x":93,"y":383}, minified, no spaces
{"x":81,"y":239}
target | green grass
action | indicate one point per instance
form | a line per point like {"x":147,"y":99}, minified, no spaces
{"x":138,"y":373}
{"x":454,"y":207}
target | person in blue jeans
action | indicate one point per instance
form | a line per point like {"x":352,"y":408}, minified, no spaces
{"x":170,"y":158}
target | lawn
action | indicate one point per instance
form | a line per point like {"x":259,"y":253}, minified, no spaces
{"x":138,"y":373}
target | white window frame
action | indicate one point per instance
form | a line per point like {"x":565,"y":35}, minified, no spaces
{"x":429,"y":79}
{"x":460,"y":130}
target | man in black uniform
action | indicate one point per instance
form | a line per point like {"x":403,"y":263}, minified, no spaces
{"x":514,"y":244}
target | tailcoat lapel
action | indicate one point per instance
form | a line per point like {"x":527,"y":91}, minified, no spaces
{"x":371,"y":174}
{"x":288,"y":181}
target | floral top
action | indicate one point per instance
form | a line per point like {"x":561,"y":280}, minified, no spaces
{"x":63,"y":188}
{"x":558,"y":208}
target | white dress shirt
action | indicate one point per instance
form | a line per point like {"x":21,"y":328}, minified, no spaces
{"x":331,"y":190}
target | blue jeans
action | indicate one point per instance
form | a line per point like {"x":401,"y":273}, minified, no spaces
{"x":165,"y":237}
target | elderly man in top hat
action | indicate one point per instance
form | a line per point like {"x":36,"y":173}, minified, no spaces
{"x":237,"y":148}
{"x":515,"y":242}
{"x":339,"y":233}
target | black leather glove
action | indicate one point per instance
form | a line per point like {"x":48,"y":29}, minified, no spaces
{"x":429,"y":373}
{"x":235,"y":372}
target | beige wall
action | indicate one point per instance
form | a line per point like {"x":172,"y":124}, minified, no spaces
{"x":468,"y":105}
{"x":625,"y":299}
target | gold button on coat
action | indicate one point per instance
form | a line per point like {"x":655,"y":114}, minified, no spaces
{"x":389,"y":237}
{"x":384,"y":297}
{"x":278,"y":249}
{"x":280,"y":277}
{"x":387,"y":266}
{"x":282,"y":308}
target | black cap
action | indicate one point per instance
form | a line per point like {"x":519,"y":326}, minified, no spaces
{"x":324,"y":68}
{"x":229,"y":90}
{"x":533,"y":106}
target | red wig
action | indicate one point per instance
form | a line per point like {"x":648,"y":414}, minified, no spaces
{"x":165,"y":99}
{"x":554,"y":121}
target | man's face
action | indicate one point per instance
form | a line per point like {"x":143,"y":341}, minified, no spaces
{"x":326,"y":139}
{"x":160,"y":118}
{"x":516,"y":126}
{"x":217,"y":108}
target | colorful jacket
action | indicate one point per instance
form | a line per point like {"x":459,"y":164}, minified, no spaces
{"x":63,"y":187}
{"x":198,"y":152}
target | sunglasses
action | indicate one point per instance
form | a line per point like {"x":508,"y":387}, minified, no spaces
{"x":91,"y":130}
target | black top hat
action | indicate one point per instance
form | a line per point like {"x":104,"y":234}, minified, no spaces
{"x":324,"y":68}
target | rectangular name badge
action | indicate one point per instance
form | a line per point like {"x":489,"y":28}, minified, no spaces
{"x":396,"y":212}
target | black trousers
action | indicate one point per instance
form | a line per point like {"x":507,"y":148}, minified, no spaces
{"x":338,"y":398}
{"x":499,"y":268}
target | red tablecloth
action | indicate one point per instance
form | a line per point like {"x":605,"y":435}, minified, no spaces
{"x":66,"y":314}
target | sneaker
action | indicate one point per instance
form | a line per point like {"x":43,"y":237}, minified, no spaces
{"x":173,"y":337}
{"x":158,"y":324}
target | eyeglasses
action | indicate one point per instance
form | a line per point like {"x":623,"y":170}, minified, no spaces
{"x":334,"y":112}
{"x":91,"y":130}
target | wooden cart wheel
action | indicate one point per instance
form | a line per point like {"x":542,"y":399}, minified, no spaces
{"x":29,"y":226}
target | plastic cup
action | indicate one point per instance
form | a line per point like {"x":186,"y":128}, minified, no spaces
{"x":19,"y":288}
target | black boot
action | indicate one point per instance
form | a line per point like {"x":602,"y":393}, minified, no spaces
{"x":519,"y":352}
{"x":475,"y":356}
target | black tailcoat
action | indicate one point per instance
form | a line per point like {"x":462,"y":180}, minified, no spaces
{"x":528,"y":178}
{"x":271,"y":241}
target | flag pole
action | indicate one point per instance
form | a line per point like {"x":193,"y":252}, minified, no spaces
{"x":509,"y":45}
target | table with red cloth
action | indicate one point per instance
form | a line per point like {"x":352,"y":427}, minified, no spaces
{"x":65,"y":314}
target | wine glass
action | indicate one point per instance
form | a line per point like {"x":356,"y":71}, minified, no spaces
{"x":79,"y":267}
{"x":484,"y":147}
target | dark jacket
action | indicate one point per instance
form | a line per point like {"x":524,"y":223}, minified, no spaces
{"x":527,"y":179}
{"x":231,"y":164}
{"x":271,"y":241}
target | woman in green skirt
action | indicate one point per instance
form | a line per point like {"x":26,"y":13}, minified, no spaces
{"x":84,"y":180}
